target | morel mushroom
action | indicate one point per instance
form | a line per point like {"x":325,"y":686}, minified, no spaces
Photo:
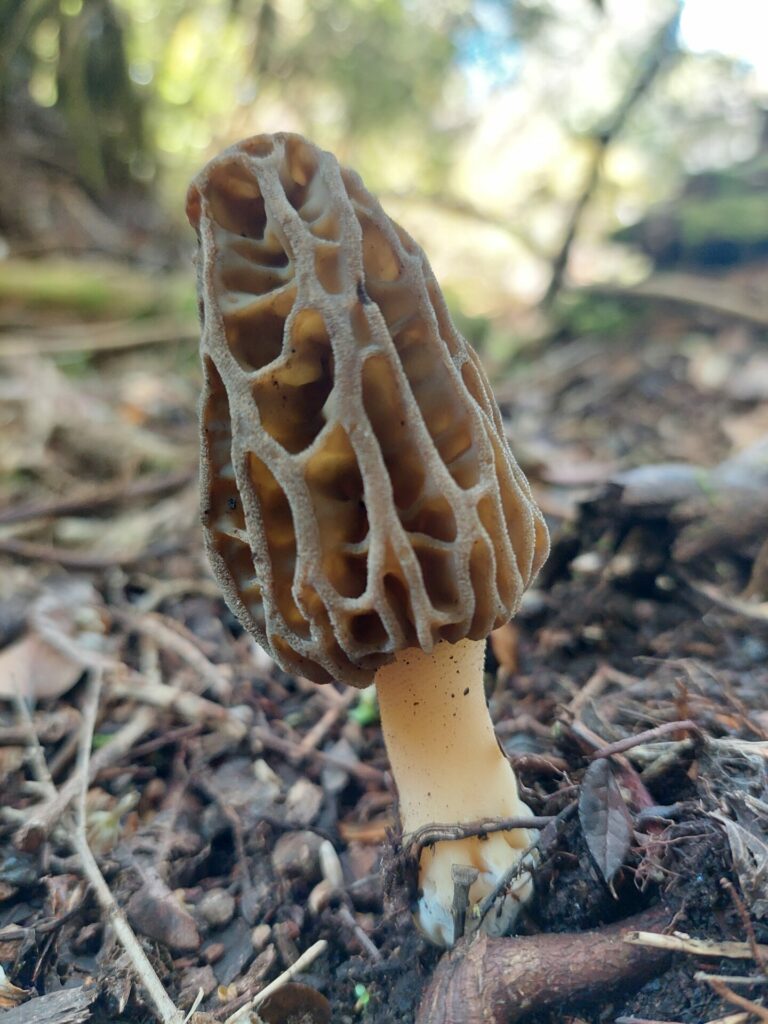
{"x":362,"y":510}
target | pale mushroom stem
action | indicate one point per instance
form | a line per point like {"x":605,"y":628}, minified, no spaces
{"x":449,"y":769}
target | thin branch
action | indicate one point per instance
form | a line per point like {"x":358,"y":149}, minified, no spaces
{"x":696,"y":947}
{"x":758,"y":953}
{"x":69,"y":558}
{"x":195,"y":709}
{"x":730,"y":996}
{"x":733,"y":979}
{"x":620,"y":746}
{"x":307,"y":957}
{"x":166,"y":1011}
{"x":430,"y":834}
{"x":108,"y":337}
{"x":152,"y":625}
{"x":82,"y":765}
{"x":291,"y":750}
{"x":525,"y":862}
{"x":89,"y":499}
{"x":43,"y":818}
{"x":659,"y":53}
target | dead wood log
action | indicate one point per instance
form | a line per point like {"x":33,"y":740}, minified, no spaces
{"x":500,"y":981}
{"x":70,"y":1006}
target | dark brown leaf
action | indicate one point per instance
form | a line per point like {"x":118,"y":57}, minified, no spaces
{"x":10,"y":994}
{"x":605,"y":819}
{"x":156,"y":912}
{"x":294,"y":1003}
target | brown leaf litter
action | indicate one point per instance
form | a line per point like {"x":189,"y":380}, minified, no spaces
{"x":239,"y":817}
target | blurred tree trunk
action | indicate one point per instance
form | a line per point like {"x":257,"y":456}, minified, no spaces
{"x":99,"y":111}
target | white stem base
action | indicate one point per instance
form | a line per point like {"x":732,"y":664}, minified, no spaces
{"x":449,"y":769}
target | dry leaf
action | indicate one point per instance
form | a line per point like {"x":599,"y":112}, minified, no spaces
{"x":749,"y":850}
{"x":32,"y":669}
{"x":10,"y":994}
{"x":293,"y":1001}
{"x":68,"y":633}
{"x":605,"y":818}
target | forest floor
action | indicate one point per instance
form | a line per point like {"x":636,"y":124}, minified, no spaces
{"x":239,"y":816}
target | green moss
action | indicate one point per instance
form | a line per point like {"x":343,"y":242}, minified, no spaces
{"x":93,"y":290}
{"x":582,"y":313}
{"x":737,"y":217}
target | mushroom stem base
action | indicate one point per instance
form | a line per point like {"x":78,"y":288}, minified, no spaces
{"x":450,"y":770}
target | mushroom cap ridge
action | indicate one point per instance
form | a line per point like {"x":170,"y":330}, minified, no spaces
{"x":359,"y":496}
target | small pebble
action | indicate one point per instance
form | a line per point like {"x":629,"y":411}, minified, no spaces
{"x":589,"y":563}
{"x":217,"y":907}
{"x":244,"y":713}
{"x":266,"y":775}
{"x":214,"y":952}
{"x":260,"y":936}
{"x":297,"y":855}
{"x":320,"y":897}
{"x":331,"y":865}
{"x":593,"y":632}
{"x":303,"y":802}
{"x":334,"y":777}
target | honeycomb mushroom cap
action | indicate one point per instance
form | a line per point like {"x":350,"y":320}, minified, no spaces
{"x":358,"y":494}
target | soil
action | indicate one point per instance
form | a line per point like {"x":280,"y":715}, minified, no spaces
{"x":648,"y":612}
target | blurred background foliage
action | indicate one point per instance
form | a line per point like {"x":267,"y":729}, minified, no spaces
{"x":484,"y":125}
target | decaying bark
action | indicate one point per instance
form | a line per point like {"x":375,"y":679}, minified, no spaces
{"x":500,"y":981}
{"x":70,"y":1006}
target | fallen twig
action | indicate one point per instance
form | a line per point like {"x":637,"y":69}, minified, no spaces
{"x":103,"y":337}
{"x":361,"y":935}
{"x":307,"y":957}
{"x":97,"y":497}
{"x":732,"y":1018}
{"x":727,"y":993}
{"x":320,"y":729}
{"x":69,"y":558}
{"x":602,"y":676}
{"x":363,"y":772}
{"x":430,"y":834}
{"x":188,"y":705}
{"x":152,"y":625}
{"x":643,"y":1020}
{"x":754,"y":610}
{"x":757,"y":955}
{"x":166,"y":1011}
{"x":732,"y":979}
{"x":620,"y":746}
{"x":44,"y":817}
{"x":697,"y":947}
